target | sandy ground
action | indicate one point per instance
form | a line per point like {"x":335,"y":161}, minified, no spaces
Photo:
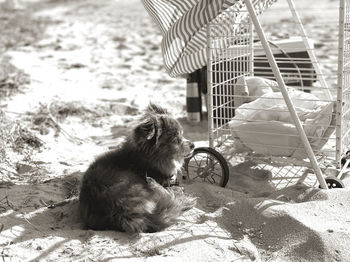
{"x":105,"y":57}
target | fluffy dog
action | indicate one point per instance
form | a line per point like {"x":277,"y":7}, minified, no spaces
{"x":123,"y":189}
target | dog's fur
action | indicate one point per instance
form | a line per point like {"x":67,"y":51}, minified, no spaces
{"x":123,"y":189}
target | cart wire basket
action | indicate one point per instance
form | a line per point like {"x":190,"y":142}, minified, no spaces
{"x":272,"y":101}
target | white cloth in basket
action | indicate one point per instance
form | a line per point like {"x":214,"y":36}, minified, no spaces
{"x":265,"y":125}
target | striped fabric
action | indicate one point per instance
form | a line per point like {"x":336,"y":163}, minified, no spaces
{"x":183,"y":24}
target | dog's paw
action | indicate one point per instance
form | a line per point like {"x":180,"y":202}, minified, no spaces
{"x":177,"y":190}
{"x":155,"y":186}
{"x":150,"y":180}
{"x":173,"y":181}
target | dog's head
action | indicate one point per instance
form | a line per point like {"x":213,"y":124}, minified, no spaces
{"x":161,"y":136}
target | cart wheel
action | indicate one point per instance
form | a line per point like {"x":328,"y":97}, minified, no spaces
{"x":333,"y":182}
{"x":208,"y":165}
{"x":345,"y":158}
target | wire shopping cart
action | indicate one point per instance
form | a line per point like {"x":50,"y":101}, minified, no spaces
{"x":290,"y":131}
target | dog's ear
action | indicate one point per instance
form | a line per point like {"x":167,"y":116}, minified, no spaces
{"x":151,"y":127}
{"x":156,"y":109}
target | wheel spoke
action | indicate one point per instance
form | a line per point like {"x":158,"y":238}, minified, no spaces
{"x":193,"y":166}
{"x":207,"y":161}
{"x":195,"y":159}
{"x":209,"y":180}
{"x":195,"y":177}
{"x":212,"y":179}
{"x":213,"y":173}
{"x":200,"y":160}
{"x":213,"y":163}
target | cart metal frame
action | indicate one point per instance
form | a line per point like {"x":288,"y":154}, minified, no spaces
{"x":216,"y":81}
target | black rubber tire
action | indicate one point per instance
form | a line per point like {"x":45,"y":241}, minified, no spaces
{"x":334,"y":182}
{"x":345,"y":158}
{"x":214,"y":155}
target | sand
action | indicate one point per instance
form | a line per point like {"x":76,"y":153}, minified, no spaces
{"x":105,"y":56}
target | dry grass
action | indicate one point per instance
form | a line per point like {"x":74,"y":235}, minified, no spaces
{"x":48,"y":116}
{"x":60,"y":110}
{"x":12,"y":79}
{"x":17,"y":146}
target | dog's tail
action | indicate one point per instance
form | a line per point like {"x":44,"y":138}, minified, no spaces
{"x":162,"y":210}
{"x":171,"y":203}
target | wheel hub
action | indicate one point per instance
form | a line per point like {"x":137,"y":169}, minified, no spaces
{"x":203,"y":172}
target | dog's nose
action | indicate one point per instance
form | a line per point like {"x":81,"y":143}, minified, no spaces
{"x":188,"y":143}
{"x":191,"y":145}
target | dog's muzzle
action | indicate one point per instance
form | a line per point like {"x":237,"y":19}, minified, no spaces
{"x":189,"y":147}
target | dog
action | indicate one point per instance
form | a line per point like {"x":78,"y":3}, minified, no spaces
{"x":126,"y":189}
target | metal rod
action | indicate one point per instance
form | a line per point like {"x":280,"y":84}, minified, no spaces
{"x":309,"y":49}
{"x":251,"y":47}
{"x":339,"y":149}
{"x":344,"y":169}
{"x":209,"y":89}
{"x":285,"y":94}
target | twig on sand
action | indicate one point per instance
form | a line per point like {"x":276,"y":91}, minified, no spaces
{"x":58,"y":204}
{"x":11,"y":206}
{"x":238,"y":249}
{"x":238,"y":258}
{"x":30,"y":223}
{"x":7,"y":202}
{"x":70,"y":137}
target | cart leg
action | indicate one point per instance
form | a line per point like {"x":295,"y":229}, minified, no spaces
{"x":310,"y":50}
{"x":344,"y":169}
{"x":285,"y":94}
